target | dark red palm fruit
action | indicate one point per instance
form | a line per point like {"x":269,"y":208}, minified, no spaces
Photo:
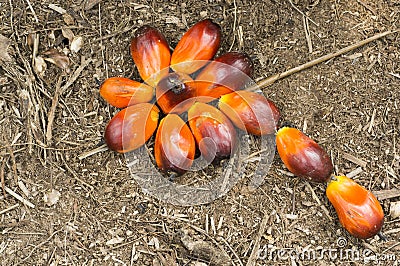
{"x":250,"y":111}
{"x":214,"y":133}
{"x":359,"y":212}
{"x":200,"y":42}
{"x":151,"y":54}
{"x":227,"y":73}
{"x":302,"y":155}
{"x":122,"y":92}
{"x":174,"y":146}
{"x":131,"y":127}
{"x":175,"y":93}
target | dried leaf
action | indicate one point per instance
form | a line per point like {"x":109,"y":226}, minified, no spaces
{"x":55,"y":57}
{"x":30,"y":39}
{"x":51,"y":198}
{"x":39,"y":66}
{"x":68,"y":19}
{"x":4,"y":46}
{"x":67,"y":33}
{"x":114,"y":241}
{"x":76,"y":44}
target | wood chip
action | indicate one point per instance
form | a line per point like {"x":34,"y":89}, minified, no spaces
{"x":371,"y":123}
{"x":76,"y":44}
{"x":354,"y":159}
{"x":395,"y":209}
{"x":114,"y":241}
{"x":386,"y":194}
{"x":57,"y":9}
{"x":353,"y":56}
{"x":355,"y":172}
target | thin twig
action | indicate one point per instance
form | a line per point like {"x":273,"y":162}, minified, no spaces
{"x":307,"y":32}
{"x":255,"y":252}
{"x":3,"y":183}
{"x":51,"y":115}
{"x":93,"y":152}
{"x":301,"y":12}
{"x":233,"y":251}
{"x":18,"y":197}
{"x":318,"y":201}
{"x":367,"y":7}
{"x":32,"y":10}
{"x":269,"y":80}
{"x":41,"y":244}
{"x":14,"y":164}
{"x":234,"y":24}
{"x":59,"y":91}
{"x":9,"y":208}
{"x":394,"y":75}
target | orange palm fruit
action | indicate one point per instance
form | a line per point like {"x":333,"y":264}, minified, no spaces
{"x":151,"y":54}
{"x":174,"y":146}
{"x":212,"y":130}
{"x":302,"y":155}
{"x":200,"y":42}
{"x":131,"y":127}
{"x":358,"y":209}
{"x":227,"y":73}
{"x":250,"y":111}
{"x":175,"y":93}
{"x":122,"y":92}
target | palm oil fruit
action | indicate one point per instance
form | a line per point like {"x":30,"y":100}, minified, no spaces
{"x":359,"y":212}
{"x":214,"y":133}
{"x":151,"y":54}
{"x":175,"y":93}
{"x":302,"y":155}
{"x":174,"y":146}
{"x":197,"y":45}
{"x":122,"y":92}
{"x":131,"y":127}
{"x":227,"y":73}
{"x":250,"y":111}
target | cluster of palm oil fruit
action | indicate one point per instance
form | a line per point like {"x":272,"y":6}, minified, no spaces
{"x":186,"y":81}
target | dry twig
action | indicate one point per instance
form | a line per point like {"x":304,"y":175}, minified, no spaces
{"x":3,"y":183}
{"x":9,"y":208}
{"x":318,"y":201}
{"x":59,"y":91}
{"x":18,"y":197}
{"x":254,"y":253}
{"x":269,"y":80}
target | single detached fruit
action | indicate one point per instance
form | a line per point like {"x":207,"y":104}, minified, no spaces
{"x":250,"y":111}
{"x":358,"y":209}
{"x":150,"y":52}
{"x":200,"y":42}
{"x":174,"y":147}
{"x":227,"y":73}
{"x":131,"y":127}
{"x":214,"y":133}
{"x":175,"y":93}
{"x":122,"y":92}
{"x":302,"y":155}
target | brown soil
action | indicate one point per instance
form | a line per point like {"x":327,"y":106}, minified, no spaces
{"x":350,"y":105}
